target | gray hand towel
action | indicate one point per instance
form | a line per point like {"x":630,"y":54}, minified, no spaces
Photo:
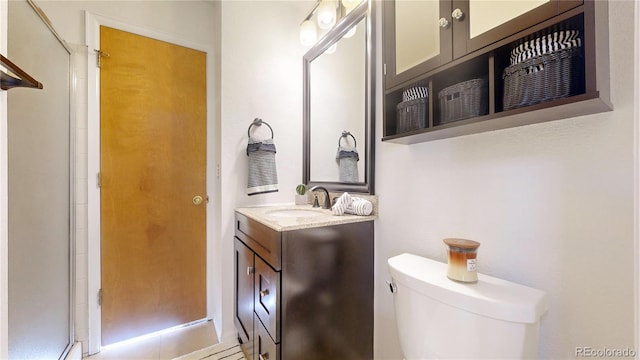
{"x":263,"y":177}
{"x":348,"y":162}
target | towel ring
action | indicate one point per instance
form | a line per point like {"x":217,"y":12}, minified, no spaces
{"x":345,"y":134}
{"x":258,"y":122}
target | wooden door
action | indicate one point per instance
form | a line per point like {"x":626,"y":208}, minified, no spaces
{"x":152,"y":159}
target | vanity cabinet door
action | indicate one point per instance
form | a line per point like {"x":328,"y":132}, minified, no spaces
{"x":244,"y":282}
{"x":266,"y":297}
{"x":415,"y":41}
{"x":265,"y":347}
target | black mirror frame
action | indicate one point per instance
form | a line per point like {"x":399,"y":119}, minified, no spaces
{"x":363,"y":11}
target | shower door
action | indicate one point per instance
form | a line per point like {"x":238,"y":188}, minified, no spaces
{"x":39,"y":196}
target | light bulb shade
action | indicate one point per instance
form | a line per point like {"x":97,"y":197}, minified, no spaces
{"x":350,"y":4}
{"x":326,"y":14}
{"x":308,"y":33}
{"x":331,"y":49}
{"x":351,"y":32}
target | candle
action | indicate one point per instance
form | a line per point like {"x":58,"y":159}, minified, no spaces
{"x":462,"y":255}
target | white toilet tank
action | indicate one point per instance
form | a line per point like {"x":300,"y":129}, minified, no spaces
{"x":439,"y":318}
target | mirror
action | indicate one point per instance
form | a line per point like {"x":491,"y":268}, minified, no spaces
{"x":488,"y":14}
{"x":417,"y":25}
{"x":338,"y":106}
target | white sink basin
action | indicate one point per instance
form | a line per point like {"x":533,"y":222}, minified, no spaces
{"x":295,"y":213}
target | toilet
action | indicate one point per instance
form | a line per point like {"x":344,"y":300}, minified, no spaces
{"x":439,"y":318}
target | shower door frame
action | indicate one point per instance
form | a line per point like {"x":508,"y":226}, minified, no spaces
{"x":4,"y":279}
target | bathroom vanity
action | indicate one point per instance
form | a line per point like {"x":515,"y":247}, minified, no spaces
{"x":303,"y":283}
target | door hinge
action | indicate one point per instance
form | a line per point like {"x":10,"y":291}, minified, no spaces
{"x":384,"y":69}
{"x":100,"y":297}
{"x":99,"y":179}
{"x":99,"y":55}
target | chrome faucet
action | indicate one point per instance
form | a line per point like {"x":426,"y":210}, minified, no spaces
{"x":327,"y":200}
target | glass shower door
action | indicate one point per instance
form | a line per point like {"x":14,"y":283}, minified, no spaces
{"x":39,"y":196}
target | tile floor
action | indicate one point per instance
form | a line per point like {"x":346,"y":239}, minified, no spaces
{"x":165,"y":346}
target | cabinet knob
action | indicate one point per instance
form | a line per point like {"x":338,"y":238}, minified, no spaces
{"x":264,"y":292}
{"x":457,"y":14}
{"x":444,"y":23}
{"x":249,"y":270}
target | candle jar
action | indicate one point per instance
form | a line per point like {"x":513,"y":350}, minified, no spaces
{"x":461,"y":254}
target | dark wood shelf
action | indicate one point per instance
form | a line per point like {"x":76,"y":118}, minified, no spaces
{"x":578,"y":105}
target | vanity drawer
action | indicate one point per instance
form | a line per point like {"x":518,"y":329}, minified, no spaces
{"x":264,"y":346}
{"x":267,"y":297}
{"x":263,"y":240}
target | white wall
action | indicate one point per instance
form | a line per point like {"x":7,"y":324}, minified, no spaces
{"x":551,"y":205}
{"x":188,"y":19}
{"x":261,"y":77}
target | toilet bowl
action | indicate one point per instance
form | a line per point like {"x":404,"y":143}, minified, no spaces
{"x":438,"y":318}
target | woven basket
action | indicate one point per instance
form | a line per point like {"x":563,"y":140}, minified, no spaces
{"x":416,"y":92}
{"x":464,"y":100}
{"x":544,"y":78}
{"x":412,"y":115}
{"x":546,"y":44}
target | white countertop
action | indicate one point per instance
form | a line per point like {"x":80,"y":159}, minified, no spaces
{"x":266,"y":216}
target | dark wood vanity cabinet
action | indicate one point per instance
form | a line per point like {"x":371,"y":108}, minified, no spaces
{"x":306,"y":293}
{"x":471,"y":48}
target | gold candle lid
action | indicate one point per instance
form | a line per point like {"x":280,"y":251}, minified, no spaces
{"x":462,"y":243}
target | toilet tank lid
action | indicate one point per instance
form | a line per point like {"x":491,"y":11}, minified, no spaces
{"x":490,"y":296}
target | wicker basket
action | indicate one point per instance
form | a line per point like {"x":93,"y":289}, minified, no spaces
{"x":544,"y":78}
{"x":464,"y":100}
{"x":412,"y":115}
{"x":546,"y":44}
{"x":416,"y":92}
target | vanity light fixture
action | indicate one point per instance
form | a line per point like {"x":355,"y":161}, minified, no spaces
{"x":308,"y":30}
{"x":331,"y":49}
{"x":351,"y":32}
{"x":326,"y":15}
{"x":308,"y":33}
{"x":350,"y":4}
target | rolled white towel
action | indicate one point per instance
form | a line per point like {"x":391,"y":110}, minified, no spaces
{"x":341,"y":204}
{"x":359,"y":206}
